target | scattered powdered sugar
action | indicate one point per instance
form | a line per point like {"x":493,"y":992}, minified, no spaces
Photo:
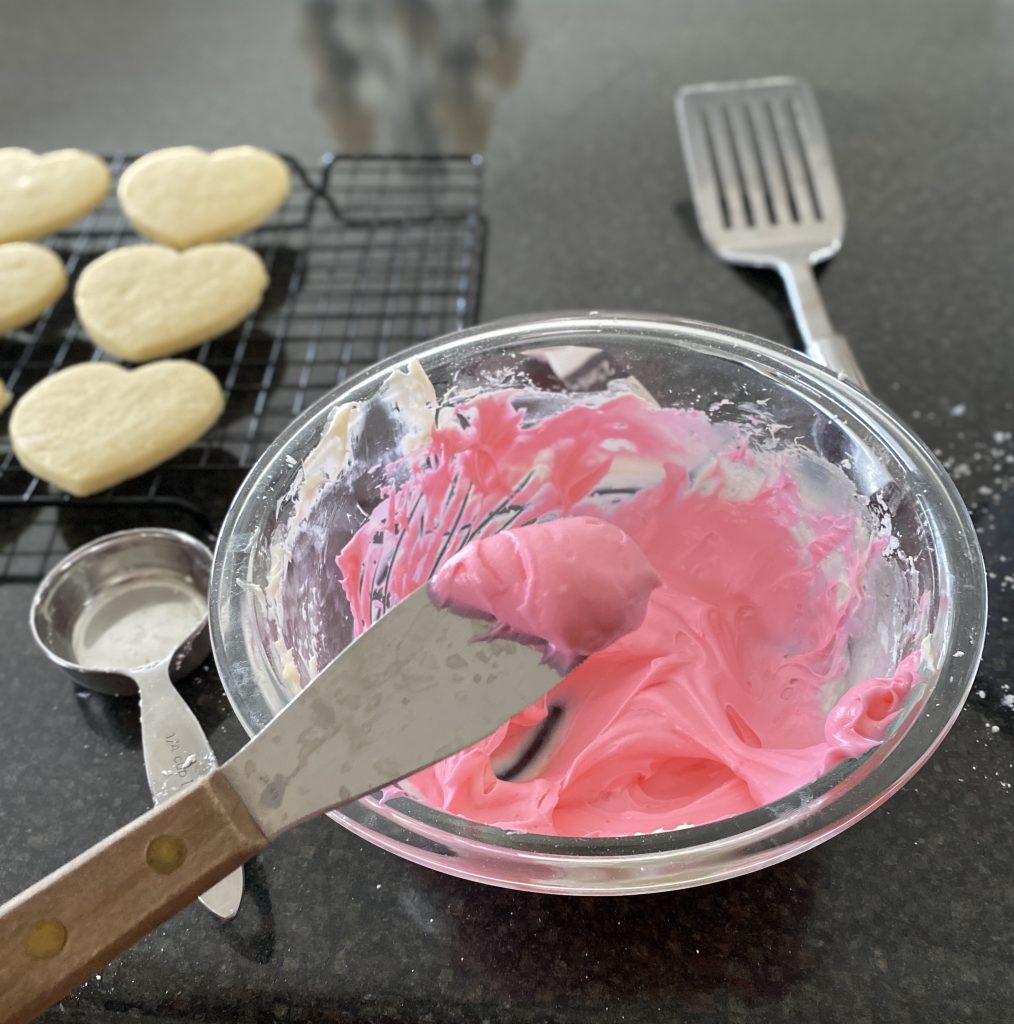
{"x":979,"y":457}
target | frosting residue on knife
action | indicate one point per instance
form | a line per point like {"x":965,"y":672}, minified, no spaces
{"x":763,"y":658}
{"x":569,"y":586}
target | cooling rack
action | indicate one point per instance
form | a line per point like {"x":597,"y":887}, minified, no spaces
{"x":369,"y":254}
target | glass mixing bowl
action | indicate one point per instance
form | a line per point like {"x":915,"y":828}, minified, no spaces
{"x":681,"y":363}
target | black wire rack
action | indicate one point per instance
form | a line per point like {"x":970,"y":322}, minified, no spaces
{"x":368,"y":255}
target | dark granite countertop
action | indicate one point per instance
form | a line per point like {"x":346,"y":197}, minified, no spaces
{"x":906,"y":917}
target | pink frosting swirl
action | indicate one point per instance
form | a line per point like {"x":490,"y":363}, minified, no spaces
{"x":723,"y":611}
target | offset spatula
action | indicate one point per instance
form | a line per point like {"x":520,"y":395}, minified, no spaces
{"x":766,"y":194}
{"x":416,"y":687}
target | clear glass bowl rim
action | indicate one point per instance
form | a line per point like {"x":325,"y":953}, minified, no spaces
{"x":698,"y":854}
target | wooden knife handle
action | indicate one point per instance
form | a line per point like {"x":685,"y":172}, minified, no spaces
{"x":61,"y":930}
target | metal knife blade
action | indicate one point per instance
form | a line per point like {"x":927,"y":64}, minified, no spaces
{"x":417,"y":686}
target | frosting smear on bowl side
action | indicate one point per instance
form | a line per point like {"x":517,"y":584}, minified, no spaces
{"x":747,"y":677}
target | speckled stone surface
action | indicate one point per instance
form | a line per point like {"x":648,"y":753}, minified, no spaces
{"x":906,"y":917}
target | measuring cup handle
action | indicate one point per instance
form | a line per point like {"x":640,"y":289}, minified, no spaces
{"x":69,"y":925}
{"x":177,"y":754}
{"x":176,"y":751}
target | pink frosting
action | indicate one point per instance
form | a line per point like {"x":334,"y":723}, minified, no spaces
{"x":576,"y":585}
{"x":718,"y":701}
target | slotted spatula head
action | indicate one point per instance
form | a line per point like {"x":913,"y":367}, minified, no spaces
{"x":760,"y":169}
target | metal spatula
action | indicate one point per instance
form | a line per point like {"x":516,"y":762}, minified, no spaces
{"x":766,"y":194}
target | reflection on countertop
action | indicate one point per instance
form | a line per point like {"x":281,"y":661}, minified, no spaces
{"x":412,"y":76}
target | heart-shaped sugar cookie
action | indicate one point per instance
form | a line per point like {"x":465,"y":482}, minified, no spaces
{"x":185,"y":195}
{"x":42,"y":192}
{"x":93,"y":425}
{"x":142,"y":302}
{"x":31,"y":278}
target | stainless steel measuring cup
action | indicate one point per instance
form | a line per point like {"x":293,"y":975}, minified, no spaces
{"x":128,"y":613}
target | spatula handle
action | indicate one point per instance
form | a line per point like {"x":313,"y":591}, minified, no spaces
{"x":822,"y":343}
{"x":61,"y":930}
{"x":834,"y":351}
